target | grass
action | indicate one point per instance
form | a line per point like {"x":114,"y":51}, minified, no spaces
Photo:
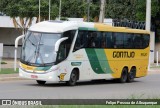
{"x":155,"y":67}
{"x":133,"y":96}
{"x":106,"y":106}
{"x":96,"y":106}
{"x":8,"y":71}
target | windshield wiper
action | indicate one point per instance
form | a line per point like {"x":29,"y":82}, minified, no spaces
{"x":32,"y":43}
{"x":37,"y":52}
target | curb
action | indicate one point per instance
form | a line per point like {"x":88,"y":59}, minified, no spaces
{"x":9,"y":77}
{"x":152,"y":72}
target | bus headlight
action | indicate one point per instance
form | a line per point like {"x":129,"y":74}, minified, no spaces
{"x":50,"y":77}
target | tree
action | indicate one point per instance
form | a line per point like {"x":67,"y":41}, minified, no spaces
{"x":121,"y":9}
{"x":130,"y":9}
{"x":141,"y":9}
{"x":116,"y":9}
{"x":78,"y":9}
{"x":25,"y":10}
{"x":29,"y":8}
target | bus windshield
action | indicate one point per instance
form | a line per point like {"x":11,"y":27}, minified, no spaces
{"x":39,"y":48}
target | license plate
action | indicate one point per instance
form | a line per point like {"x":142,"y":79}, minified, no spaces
{"x":34,"y":76}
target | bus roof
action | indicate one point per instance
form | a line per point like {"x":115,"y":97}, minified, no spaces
{"x":62,"y":26}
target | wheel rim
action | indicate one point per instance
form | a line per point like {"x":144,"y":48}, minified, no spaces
{"x":132,"y":74}
{"x":124,"y":75}
{"x":73,"y":77}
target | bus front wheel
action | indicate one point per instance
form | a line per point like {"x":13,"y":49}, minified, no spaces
{"x":124,"y":75}
{"x":41,"y":82}
{"x":73,"y":78}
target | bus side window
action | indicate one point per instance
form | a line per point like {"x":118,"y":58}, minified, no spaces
{"x":98,"y":39}
{"x":94,"y":39}
{"x":103,"y":42}
{"x":146,"y":41}
{"x":110,"y":40}
{"x":82,"y":40}
{"x":91,"y":39}
{"x":65,"y":46}
{"x":128,"y":40}
{"x":138,"y":41}
{"x":119,"y":37}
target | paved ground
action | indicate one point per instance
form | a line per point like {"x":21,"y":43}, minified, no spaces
{"x":147,"y":87}
{"x":13,"y":87}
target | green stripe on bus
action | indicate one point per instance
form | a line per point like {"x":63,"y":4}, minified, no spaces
{"x":88,"y":29}
{"x":43,"y":68}
{"x":103,"y":61}
{"x":93,"y":59}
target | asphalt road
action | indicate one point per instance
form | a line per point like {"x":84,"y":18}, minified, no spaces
{"x":146,"y":87}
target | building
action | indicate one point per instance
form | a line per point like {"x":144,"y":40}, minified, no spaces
{"x":8,"y":34}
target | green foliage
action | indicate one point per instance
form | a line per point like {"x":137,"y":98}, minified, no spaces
{"x":116,"y":9}
{"x":130,"y":9}
{"x":28,"y":8}
{"x":64,"y":18}
{"x":141,"y":9}
{"x":121,"y":9}
{"x":78,"y":8}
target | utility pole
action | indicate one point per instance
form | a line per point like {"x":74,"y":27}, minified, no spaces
{"x":148,"y":26}
{"x":88,"y":10}
{"x":60,"y":10}
{"x":49,"y":9}
{"x":39,"y":10}
{"x":102,"y":11}
{"x":148,"y":15}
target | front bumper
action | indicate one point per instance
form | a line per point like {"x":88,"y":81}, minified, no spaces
{"x":50,"y":76}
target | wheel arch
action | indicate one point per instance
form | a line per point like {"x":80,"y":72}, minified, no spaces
{"x":132,"y":68}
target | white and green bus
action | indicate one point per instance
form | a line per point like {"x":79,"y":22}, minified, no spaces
{"x":70,"y":51}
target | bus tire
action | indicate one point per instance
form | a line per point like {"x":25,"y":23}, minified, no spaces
{"x":131,"y":75}
{"x":73,"y":78}
{"x":41,"y":82}
{"x":124,"y":75}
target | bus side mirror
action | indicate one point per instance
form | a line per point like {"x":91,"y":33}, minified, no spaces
{"x":59,"y":42}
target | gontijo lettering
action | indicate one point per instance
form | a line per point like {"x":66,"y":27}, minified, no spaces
{"x":123,"y":54}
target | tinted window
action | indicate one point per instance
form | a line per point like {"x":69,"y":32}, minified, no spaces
{"x":128,"y":41}
{"x":82,"y":40}
{"x":138,"y":41}
{"x":65,"y":46}
{"x":111,"y":40}
{"x":118,"y":40}
{"x":146,"y":41}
